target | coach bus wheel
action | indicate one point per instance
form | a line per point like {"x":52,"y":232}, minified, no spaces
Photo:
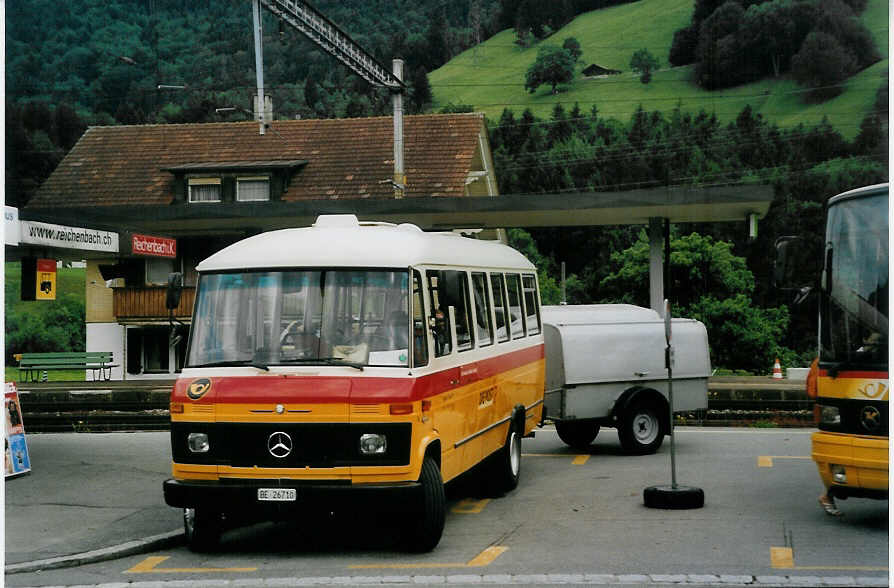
{"x":577,"y":434}
{"x":202,"y":528}
{"x":639,"y":429}
{"x":425,"y":530}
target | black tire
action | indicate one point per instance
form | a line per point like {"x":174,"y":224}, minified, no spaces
{"x":202,"y":528}
{"x":668,"y":497}
{"x":577,"y":434}
{"x":640,"y":429}
{"x":425,"y":531}
{"x":504,"y":467}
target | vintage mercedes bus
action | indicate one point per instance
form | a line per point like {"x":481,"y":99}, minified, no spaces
{"x":351,"y":361}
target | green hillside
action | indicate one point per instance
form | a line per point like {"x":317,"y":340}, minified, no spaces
{"x":491,"y":76}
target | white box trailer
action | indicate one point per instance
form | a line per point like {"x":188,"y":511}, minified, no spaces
{"x":605,"y":366}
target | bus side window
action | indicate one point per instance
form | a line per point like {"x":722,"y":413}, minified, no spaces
{"x":420,"y":339}
{"x":499,"y":292}
{"x":516,"y":311}
{"x":450,"y":288}
{"x":483,"y":324}
{"x":532,"y":310}
{"x":439,"y":317}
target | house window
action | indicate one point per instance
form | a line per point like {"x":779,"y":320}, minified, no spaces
{"x":157,"y":270}
{"x":204,"y":189}
{"x":252,"y":189}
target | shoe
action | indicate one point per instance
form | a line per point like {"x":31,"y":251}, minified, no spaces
{"x":829,"y":506}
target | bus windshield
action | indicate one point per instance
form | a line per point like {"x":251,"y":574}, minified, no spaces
{"x":854,"y":315}
{"x":337,"y":317}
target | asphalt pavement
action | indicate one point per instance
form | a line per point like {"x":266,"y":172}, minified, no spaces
{"x":88,"y":498}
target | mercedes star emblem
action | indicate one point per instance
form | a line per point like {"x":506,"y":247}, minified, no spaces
{"x":870,"y":418}
{"x":279,"y":445}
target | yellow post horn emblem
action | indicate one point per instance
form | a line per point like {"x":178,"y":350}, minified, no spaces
{"x":198,"y":388}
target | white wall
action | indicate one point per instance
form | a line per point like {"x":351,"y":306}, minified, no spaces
{"x":107,"y":337}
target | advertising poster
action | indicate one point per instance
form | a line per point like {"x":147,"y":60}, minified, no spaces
{"x":16,"y":452}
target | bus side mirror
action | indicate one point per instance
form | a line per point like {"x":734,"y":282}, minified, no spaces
{"x":783,"y":268}
{"x":175,"y":287}
{"x":797,"y":266}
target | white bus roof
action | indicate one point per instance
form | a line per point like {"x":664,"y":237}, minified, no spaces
{"x":859,"y":192}
{"x":343,"y":241}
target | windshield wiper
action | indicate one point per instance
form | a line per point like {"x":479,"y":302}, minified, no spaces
{"x":233,"y":363}
{"x":324,"y":361}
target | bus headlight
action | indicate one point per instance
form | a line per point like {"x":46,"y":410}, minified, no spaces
{"x":839,"y":474}
{"x":198,"y":442}
{"x":829,"y":415}
{"x":373,"y":444}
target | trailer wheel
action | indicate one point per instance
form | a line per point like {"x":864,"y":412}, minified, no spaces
{"x":424,"y":531}
{"x":202,"y":528}
{"x":577,"y":434}
{"x":639,"y":429}
{"x":504,"y":467}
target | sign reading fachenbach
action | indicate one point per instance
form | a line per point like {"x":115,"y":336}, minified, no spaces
{"x":154,"y":246}
{"x":51,"y":235}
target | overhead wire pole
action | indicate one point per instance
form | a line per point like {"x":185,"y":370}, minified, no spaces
{"x":259,"y":61}
{"x":322,"y":31}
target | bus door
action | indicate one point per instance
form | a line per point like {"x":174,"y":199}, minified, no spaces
{"x":487,"y":370}
{"x":453,"y":404}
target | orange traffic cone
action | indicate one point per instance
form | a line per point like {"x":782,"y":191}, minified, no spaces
{"x":777,"y":370}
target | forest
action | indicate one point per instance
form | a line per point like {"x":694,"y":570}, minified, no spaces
{"x":82,"y":63}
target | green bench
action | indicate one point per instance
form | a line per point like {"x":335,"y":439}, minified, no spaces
{"x":31,"y":364}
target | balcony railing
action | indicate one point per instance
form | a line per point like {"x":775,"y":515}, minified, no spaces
{"x":149,"y":303}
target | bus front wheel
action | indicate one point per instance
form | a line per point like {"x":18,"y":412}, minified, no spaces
{"x":425,"y":530}
{"x":202,"y":528}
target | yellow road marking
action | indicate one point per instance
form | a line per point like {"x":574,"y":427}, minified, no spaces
{"x":470,"y":506}
{"x":578,"y":459}
{"x":783,"y":558}
{"x":766,"y":461}
{"x":149,"y":566}
{"x":485,"y":558}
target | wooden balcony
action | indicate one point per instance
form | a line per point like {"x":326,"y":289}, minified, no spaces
{"x":149,"y":303}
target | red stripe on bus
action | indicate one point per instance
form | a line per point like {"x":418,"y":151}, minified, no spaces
{"x":343,"y":389}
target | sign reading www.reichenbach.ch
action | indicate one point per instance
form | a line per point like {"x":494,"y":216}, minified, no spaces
{"x":51,"y":235}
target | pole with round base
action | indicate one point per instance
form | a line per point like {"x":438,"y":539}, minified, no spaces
{"x":673,"y":496}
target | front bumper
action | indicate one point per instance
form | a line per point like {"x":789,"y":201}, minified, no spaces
{"x":864,"y":459}
{"x":242,"y":495}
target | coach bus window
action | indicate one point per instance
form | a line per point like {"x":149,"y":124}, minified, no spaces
{"x":484,"y":327}
{"x":516,"y":312}
{"x":420,"y":341}
{"x":496,"y":283}
{"x":532,"y":316}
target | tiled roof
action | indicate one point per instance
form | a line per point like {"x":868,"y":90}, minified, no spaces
{"x":346,"y":158}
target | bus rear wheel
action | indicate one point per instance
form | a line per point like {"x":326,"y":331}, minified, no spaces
{"x":424,"y":532}
{"x":504,"y":467}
